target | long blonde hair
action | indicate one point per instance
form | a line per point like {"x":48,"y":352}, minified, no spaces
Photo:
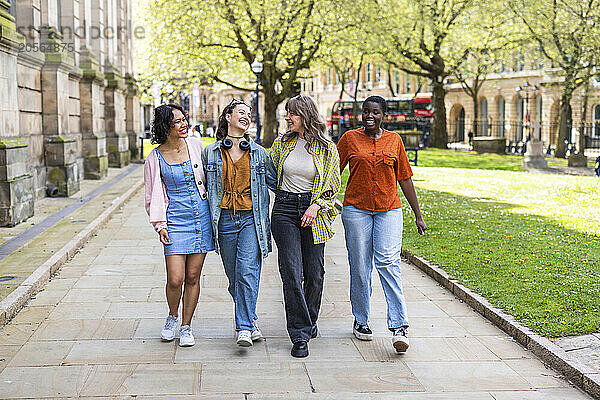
{"x":315,"y":128}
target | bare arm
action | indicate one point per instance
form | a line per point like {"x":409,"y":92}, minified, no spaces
{"x":411,"y":196}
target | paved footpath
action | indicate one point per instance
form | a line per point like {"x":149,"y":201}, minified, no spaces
{"x":94,"y":332}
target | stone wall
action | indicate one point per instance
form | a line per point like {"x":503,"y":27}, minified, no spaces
{"x":29,"y":80}
{"x":63,"y":97}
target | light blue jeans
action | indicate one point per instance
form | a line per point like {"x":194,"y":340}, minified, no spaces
{"x":374,"y":238}
{"x":241,"y":256}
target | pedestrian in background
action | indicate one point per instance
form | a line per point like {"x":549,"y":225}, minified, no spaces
{"x":176,"y":203}
{"x":308,"y":180}
{"x":238,"y":172}
{"x":372,"y":218}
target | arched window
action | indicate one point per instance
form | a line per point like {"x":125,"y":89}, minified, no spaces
{"x":483,"y":118}
{"x":536,"y":124}
{"x":519,"y":120}
{"x":501,"y":117}
{"x":597,"y":120}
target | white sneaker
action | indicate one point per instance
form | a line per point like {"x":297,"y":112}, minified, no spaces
{"x":170,"y":329}
{"x":399,"y":340}
{"x":186,"y":338}
{"x":256,"y":333}
{"x":244,"y":338}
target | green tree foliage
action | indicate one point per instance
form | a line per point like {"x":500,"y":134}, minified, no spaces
{"x":217,"y":42}
{"x":491,"y":38}
{"x":424,"y":39}
{"x":568,"y":35}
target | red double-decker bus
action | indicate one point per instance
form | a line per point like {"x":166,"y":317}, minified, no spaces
{"x":404,"y":114}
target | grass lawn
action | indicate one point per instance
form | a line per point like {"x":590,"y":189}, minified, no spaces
{"x":461,"y":159}
{"x":148,"y":146}
{"x":529,"y":243}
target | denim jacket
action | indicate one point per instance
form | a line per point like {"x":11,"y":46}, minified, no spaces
{"x":263,"y":177}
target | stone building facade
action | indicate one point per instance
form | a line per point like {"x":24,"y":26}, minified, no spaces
{"x":504,"y":111}
{"x":69,"y":105}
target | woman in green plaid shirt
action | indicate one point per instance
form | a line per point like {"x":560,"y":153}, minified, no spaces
{"x":308,"y":180}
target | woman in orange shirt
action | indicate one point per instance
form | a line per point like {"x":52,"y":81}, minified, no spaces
{"x":372,"y":218}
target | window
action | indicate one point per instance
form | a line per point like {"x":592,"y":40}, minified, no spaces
{"x":519,"y":121}
{"x":521,"y":61}
{"x":378,"y":74}
{"x":501,"y":116}
{"x":407,"y":86}
{"x":368,"y":72}
{"x":329,"y":76}
{"x":536,"y":124}
{"x":597,"y":120}
{"x":483,"y":118}
{"x":397,"y":80}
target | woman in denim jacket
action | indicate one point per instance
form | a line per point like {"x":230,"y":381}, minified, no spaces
{"x":238,"y":174}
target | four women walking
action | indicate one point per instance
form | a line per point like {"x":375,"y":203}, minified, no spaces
{"x":225,"y":192}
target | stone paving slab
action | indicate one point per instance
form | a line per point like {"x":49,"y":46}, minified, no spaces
{"x":94,"y":333}
{"x":24,"y":261}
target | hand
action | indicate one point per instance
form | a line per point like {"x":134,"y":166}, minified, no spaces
{"x":421,"y":227}
{"x":164,"y":237}
{"x":310,"y":215}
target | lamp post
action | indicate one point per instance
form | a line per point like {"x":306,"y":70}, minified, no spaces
{"x":534,"y":156}
{"x":257,"y":68}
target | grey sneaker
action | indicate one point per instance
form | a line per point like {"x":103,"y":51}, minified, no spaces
{"x":256,"y":334}
{"x":399,"y":340}
{"x":186,"y":338}
{"x":170,"y":329}
{"x":244,"y":338}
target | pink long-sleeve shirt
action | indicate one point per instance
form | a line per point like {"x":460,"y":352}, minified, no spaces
{"x":156,"y":192}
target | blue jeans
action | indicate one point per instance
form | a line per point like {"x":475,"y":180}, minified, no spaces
{"x":374,"y":238}
{"x":241,"y":256}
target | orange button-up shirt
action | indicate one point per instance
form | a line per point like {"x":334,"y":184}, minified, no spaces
{"x":376,"y":166}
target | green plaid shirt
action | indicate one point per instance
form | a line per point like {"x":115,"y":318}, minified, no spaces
{"x":327,"y":163}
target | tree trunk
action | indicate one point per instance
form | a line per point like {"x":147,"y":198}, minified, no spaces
{"x":475,"y":115}
{"x":389,"y":80}
{"x":564,"y":128}
{"x":439,"y":132}
{"x":269,"y":128}
{"x":354,"y":103}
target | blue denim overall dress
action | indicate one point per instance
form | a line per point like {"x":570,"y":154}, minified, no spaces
{"x":188,"y":215}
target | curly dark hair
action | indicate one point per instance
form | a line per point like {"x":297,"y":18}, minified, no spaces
{"x":162,"y":122}
{"x":222,"y":127}
{"x":379,"y":100}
